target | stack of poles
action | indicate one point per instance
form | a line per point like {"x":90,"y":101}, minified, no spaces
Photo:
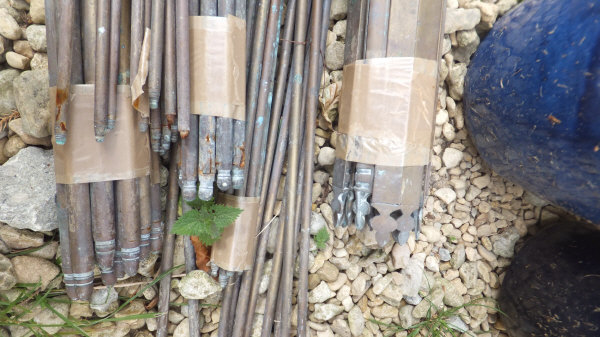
{"x":121,"y":220}
{"x":298,"y":172}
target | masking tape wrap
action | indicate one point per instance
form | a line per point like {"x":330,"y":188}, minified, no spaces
{"x":235,"y":249}
{"x":124,"y":154}
{"x":387,"y":111}
{"x":218,"y":66}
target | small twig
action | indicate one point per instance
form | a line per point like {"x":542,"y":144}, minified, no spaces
{"x":5,"y":120}
{"x":122,"y":285}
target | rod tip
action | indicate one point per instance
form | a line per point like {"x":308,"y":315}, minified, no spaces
{"x":99,"y":139}
{"x":153,"y":103}
{"x":111,"y":124}
{"x":143,"y":126}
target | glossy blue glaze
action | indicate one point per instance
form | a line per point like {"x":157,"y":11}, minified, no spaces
{"x":532,"y":101}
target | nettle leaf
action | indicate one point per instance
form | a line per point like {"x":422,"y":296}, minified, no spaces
{"x":321,"y":238}
{"x":206,"y":220}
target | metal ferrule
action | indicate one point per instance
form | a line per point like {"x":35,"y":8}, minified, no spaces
{"x":237,"y":178}
{"x":224,"y":179}
{"x":205,"y":188}
{"x":188,"y":190}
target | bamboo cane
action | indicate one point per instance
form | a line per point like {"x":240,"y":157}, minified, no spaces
{"x":292,"y":174}
{"x":125,"y":43}
{"x":146,"y":20}
{"x":102,"y":67}
{"x":65,"y":18}
{"x":183,"y":67}
{"x":113,"y":64}
{"x":52,"y":42}
{"x":309,"y":143}
{"x":168,"y":244}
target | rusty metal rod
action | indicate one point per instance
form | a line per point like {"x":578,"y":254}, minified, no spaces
{"x":224,"y":126}
{"x":62,"y":215}
{"x":65,"y":17}
{"x":168,"y":244}
{"x":156,"y":233}
{"x":113,"y":64}
{"x":103,"y":228}
{"x":190,"y":264}
{"x":156,"y":52}
{"x":128,"y":224}
{"x":182,"y":28}
{"x":88,"y":31}
{"x":102,"y":67}
{"x":80,"y":240}
{"x":206,"y":133}
{"x":170,"y":85}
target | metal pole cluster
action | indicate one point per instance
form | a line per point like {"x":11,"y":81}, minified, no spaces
{"x":114,"y":224}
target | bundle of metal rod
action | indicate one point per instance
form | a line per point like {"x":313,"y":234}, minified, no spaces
{"x":398,"y":211}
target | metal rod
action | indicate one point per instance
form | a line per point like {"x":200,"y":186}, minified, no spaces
{"x":190,"y":264}
{"x":206,"y":133}
{"x":102,"y":67}
{"x":113,"y":66}
{"x":155,"y":71}
{"x":103,"y":228}
{"x":168,"y":244}
{"x":273,"y":154}
{"x":62,"y":212}
{"x":194,"y":6}
{"x":182,"y":28}
{"x":88,"y":30}
{"x":269,"y":207}
{"x":128,"y":224}
{"x":65,"y":18}
{"x":312,"y":100}
{"x":170,"y":85}
{"x":254,"y":76}
{"x":224,"y":126}
{"x":156,"y":234}
{"x":292,"y":173}
{"x":80,"y":240}
{"x":145,"y":216}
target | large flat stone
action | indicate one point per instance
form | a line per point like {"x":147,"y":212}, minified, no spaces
{"x":28,"y":189}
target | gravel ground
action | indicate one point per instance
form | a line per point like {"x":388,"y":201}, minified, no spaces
{"x":472,"y":221}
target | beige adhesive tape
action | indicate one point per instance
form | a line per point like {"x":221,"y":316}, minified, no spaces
{"x":139,"y":98}
{"x":235,"y":250}
{"x":124,"y":154}
{"x":218,"y":66}
{"x":387,"y":110}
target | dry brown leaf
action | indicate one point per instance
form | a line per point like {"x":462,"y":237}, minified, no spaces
{"x":202,"y":254}
{"x":329,"y":99}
